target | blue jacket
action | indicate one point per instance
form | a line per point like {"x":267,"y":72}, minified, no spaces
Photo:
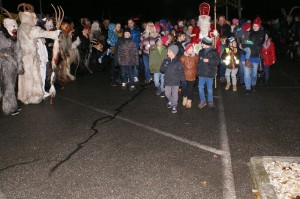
{"x":112,"y":39}
{"x":135,"y":35}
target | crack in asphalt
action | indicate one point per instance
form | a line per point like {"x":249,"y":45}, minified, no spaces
{"x":18,"y":164}
{"x":97,"y":122}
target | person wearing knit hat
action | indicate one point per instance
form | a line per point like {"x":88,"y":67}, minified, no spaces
{"x":246,"y":26}
{"x":189,"y":60}
{"x":173,"y":69}
{"x":209,"y":59}
{"x":235,"y":21}
{"x":257,"y":22}
{"x":187,"y":46}
{"x":255,"y":42}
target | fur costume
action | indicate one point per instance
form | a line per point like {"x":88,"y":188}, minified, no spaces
{"x":10,"y":66}
{"x":30,"y":85}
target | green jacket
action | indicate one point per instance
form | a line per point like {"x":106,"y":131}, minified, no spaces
{"x":156,"y":59}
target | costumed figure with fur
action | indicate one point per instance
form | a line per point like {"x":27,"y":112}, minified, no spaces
{"x":30,"y":85}
{"x":204,"y":28}
{"x":65,"y":52}
{"x":10,"y":64}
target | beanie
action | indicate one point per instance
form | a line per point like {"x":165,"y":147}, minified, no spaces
{"x":164,"y":39}
{"x":235,"y":21}
{"x":174,"y":49}
{"x":207,"y":41}
{"x":187,"y":46}
{"x":246,"y":26}
{"x":257,"y":21}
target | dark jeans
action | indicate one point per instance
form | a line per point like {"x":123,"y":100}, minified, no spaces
{"x":127,"y":72}
{"x":188,"y":89}
{"x":222,"y":70}
{"x":267,"y":72}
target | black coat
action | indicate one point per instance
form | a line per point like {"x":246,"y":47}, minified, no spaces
{"x":173,"y":70}
{"x":208,"y":69}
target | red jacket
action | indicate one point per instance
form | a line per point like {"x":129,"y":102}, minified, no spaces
{"x":268,"y":54}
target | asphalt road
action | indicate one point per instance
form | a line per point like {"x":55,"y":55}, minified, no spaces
{"x":97,"y":141}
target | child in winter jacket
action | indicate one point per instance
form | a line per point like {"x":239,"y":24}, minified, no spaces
{"x":268,"y":55}
{"x":173,"y":69}
{"x":231,"y":59}
{"x":157,"y":56}
{"x":189,"y":60}
{"x":209,"y":59}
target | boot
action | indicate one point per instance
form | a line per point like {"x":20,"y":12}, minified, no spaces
{"x":189,"y":104}
{"x":234,"y":88}
{"x":227,"y":87}
{"x":184,"y":101}
{"x":248,"y":63}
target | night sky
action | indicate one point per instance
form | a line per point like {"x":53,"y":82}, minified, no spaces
{"x":157,"y":9}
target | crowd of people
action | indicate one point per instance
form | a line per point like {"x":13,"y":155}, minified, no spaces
{"x":176,"y":57}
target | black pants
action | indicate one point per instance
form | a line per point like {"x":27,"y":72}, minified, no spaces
{"x":188,"y":89}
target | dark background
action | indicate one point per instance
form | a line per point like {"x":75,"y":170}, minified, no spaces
{"x":154,"y":9}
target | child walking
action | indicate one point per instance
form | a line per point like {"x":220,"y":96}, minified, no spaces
{"x":189,"y":60}
{"x":231,"y":59}
{"x":157,"y":56}
{"x":268,"y":55}
{"x":209,"y":59}
{"x":173,"y":69}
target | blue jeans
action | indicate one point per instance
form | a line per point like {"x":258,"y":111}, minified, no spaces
{"x":146,"y":64}
{"x":248,"y":52}
{"x":209,"y":86}
{"x":159,"y":81}
{"x":250,"y":75}
{"x":241,"y":73}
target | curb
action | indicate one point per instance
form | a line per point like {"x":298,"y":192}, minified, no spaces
{"x":261,"y":177}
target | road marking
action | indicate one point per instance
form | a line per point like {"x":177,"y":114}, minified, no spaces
{"x":178,"y":138}
{"x":228,"y":180}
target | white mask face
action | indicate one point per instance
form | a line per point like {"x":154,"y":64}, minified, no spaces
{"x":11,"y":26}
{"x":49,"y":24}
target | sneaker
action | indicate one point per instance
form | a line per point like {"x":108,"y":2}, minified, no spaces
{"x":248,"y":92}
{"x":169,"y":105}
{"x":136,"y":79}
{"x":157,"y":92}
{"x":174,"y":109}
{"x":211,"y":105}
{"x":123,"y":86}
{"x":132,"y":88}
{"x":15,"y":113}
{"x":202,"y":105}
{"x":148,"y":81}
{"x":162,"y":94}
